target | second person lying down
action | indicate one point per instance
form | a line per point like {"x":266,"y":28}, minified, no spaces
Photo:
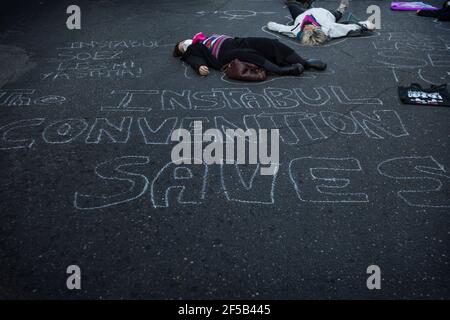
{"x":214,"y":51}
{"x":315,"y":26}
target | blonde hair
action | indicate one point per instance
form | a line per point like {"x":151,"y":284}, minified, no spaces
{"x":313,"y":37}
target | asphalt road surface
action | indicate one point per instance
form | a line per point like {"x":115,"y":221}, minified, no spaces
{"x":87,"y":179}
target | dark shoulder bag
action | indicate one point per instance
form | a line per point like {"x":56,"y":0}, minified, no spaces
{"x":244,"y":71}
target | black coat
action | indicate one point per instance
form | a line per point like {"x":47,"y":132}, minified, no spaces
{"x":255,"y":50}
{"x":197,"y":55}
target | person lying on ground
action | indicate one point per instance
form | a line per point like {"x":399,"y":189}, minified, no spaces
{"x":215,"y":51}
{"x":316,"y":26}
{"x":441,"y":14}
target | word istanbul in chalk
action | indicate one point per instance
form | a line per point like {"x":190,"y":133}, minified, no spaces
{"x":232,"y":98}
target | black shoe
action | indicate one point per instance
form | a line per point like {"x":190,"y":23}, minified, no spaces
{"x":293,"y":70}
{"x":315,"y":64}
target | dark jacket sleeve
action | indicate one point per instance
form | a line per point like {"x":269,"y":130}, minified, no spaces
{"x":195,"y":62}
{"x":198,"y":55}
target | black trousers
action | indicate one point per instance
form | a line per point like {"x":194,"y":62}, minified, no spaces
{"x":297,"y":9}
{"x":259,"y":51}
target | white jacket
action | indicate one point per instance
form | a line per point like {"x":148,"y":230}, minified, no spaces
{"x":323,"y":17}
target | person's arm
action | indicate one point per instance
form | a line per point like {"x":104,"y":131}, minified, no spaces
{"x":281,"y":28}
{"x":195,"y":62}
{"x":337,"y":30}
{"x":195,"y":59}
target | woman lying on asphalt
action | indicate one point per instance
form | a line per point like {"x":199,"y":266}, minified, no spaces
{"x":316,"y":25}
{"x":215,"y":51}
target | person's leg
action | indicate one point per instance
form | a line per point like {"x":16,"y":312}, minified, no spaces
{"x":308,"y":63}
{"x":343,"y":6}
{"x":337,"y":15}
{"x":281,"y":54}
{"x":295,"y":9}
{"x":273,"y":50}
{"x":254,"y":57}
{"x":294,"y":57}
{"x":305,"y":3}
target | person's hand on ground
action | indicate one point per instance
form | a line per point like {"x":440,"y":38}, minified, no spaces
{"x":203,"y":70}
{"x":369,"y":25}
